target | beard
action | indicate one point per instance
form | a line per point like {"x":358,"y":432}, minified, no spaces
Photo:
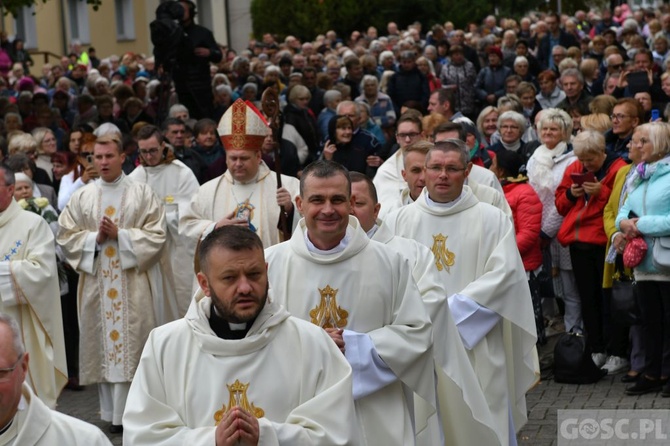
{"x":228,"y":312}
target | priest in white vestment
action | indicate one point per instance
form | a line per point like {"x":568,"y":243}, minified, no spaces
{"x":175,"y":184}
{"x":239,"y":357}
{"x":475,"y":254}
{"x":112,"y":233}
{"x":29,"y":290}
{"x":363,"y":294}
{"x":246,"y":194}
{"x":24,"y":419}
{"x":463,"y":408}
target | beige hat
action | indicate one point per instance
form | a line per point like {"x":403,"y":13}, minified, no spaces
{"x":243,"y":127}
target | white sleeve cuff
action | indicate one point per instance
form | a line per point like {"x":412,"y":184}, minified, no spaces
{"x":474,"y":321}
{"x":126,"y":254}
{"x":370,"y":372}
{"x":7,"y":295}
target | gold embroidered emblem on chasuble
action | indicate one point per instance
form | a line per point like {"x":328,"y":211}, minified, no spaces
{"x":444,"y":259}
{"x":238,"y":397}
{"x":327,"y":314}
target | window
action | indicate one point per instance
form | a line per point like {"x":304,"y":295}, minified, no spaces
{"x":78,"y":16}
{"x":125,"y":20}
{"x":24,"y":25}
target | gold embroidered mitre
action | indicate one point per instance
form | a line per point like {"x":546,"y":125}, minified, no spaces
{"x":243,"y":127}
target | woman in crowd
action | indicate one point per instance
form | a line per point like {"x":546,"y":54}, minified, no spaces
{"x":461,"y":76}
{"x":511,"y":126}
{"x":63,"y":163}
{"x":426,"y":67}
{"x":82,"y":172}
{"x":550,"y":94}
{"x":367,"y":123}
{"x":526,"y":207}
{"x":581,"y":202}
{"x":487,"y":124}
{"x":646,"y":213}
{"x":298,"y":114}
{"x":545,"y":172}
{"x":614,"y":265}
{"x":46,"y":146}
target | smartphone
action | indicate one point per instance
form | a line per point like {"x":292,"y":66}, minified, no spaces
{"x":89,"y":159}
{"x":637,"y":81}
{"x":654,"y":115}
{"x":632,"y":214}
{"x":581,"y":178}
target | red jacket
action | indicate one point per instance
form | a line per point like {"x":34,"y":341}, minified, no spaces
{"x":527,"y":213}
{"x":583,"y":220}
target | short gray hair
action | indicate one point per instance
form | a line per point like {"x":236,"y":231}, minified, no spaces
{"x":588,"y":142}
{"x":451,"y":145}
{"x":511,"y":115}
{"x":17,"y":340}
{"x":10,"y":178}
{"x":559,"y":117}
{"x":573,"y":72}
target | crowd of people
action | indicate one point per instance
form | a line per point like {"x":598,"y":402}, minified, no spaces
{"x":418,"y":210}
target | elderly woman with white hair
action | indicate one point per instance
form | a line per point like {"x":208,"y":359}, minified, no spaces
{"x":511,"y":127}
{"x":545,"y":172}
{"x":381,"y":106}
{"x":581,"y":198}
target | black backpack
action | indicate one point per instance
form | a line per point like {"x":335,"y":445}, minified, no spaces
{"x":572,"y":361}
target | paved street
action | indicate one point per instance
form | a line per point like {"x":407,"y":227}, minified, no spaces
{"x":543,"y":402}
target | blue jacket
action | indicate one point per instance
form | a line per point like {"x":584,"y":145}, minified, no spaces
{"x":655,"y":216}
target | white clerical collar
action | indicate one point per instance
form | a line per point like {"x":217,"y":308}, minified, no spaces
{"x":336,"y":250}
{"x":115,"y":182}
{"x":372,"y":231}
{"x":435,"y":204}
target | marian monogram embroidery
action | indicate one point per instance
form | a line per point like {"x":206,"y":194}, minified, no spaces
{"x":238,"y":397}
{"x":444,"y":259}
{"x":327,"y":314}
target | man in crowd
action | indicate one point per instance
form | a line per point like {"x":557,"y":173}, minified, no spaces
{"x":175,"y":184}
{"x":555,"y":36}
{"x":408,"y":84}
{"x":572,"y":82}
{"x":626,"y":115}
{"x":29,"y":290}
{"x":112,"y":232}
{"x":441,"y":101}
{"x":174,"y":130}
{"x":24,"y":418}
{"x":246,"y":194}
{"x":234,"y":339}
{"x":413,"y":175}
{"x":482,"y":272}
{"x":364,"y":296}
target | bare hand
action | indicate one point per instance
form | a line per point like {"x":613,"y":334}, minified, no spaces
{"x":230,"y":219}
{"x":576,"y":190}
{"x":237,"y":427}
{"x":336,"y":334}
{"x":202,"y":52}
{"x":629,"y":228}
{"x":89,"y":173}
{"x":619,"y":242}
{"x":329,"y":150}
{"x":284,"y":199}
{"x":593,"y":189}
{"x":623,"y":81}
{"x":108,"y":227}
{"x":373,"y":161}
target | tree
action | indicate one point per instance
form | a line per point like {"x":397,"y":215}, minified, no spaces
{"x":13,"y":6}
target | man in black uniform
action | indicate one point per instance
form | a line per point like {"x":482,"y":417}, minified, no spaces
{"x":191,"y":74}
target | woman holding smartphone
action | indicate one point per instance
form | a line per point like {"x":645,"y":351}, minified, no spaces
{"x":580,"y":199}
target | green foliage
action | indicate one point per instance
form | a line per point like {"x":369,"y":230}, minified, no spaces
{"x":13,"y":6}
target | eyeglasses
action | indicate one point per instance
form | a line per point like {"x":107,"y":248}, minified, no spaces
{"x":449,"y":170}
{"x":618,"y":117}
{"x":152,"y":151}
{"x":639,"y":142}
{"x":410,"y":135}
{"x":5,"y":373}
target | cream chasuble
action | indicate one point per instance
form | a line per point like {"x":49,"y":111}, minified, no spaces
{"x":256,"y":201}
{"x":286,"y":372}
{"x":366,"y":288}
{"x":37,"y":425}
{"x":475,"y":254}
{"x":464,"y":413}
{"x":29,"y":293}
{"x":175,"y":185}
{"x":120,"y":282}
